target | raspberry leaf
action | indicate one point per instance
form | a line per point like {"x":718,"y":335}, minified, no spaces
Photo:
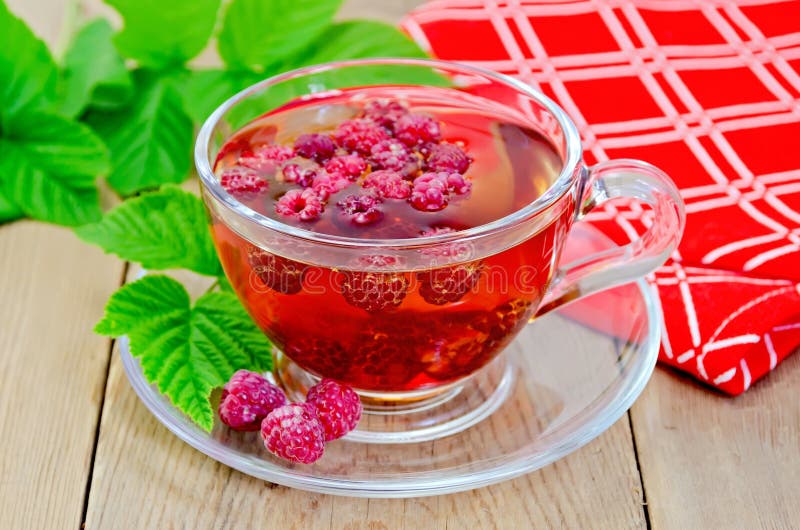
{"x":167,"y":229}
{"x":257,"y":32}
{"x":94,"y":72}
{"x":204,"y":90}
{"x":160,"y":34}
{"x":29,"y":75}
{"x":150,"y":140}
{"x":8,"y":208}
{"x":48,"y":166}
{"x":356,"y":39}
{"x":185,"y":350}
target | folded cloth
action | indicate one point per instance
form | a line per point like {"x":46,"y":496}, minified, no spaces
{"x":708,"y":91}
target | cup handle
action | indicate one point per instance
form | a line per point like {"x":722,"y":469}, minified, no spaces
{"x":605,"y":181}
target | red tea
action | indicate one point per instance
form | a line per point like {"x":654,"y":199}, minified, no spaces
{"x":389,"y":164}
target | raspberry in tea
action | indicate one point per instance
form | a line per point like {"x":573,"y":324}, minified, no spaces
{"x":389,"y":164}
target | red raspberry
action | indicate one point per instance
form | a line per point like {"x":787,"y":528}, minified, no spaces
{"x":297,"y":175}
{"x":326,"y":184}
{"x":359,"y":135}
{"x":266,"y":158}
{"x":388,"y":184}
{"x":361,"y":209}
{"x":417,"y":129}
{"x":279,"y":274}
{"x":316,"y":146}
{"x":305,"y":205}
{"x":429,"y":193}
{"x":384,"y":112}
{"x":393,"y":155}
{"x":247,"y":399}
{"x":350,"y":166}
{"x":386,"y":359}
{"x":242,"y":183}
{"x":294,"y":432}
{"x":321,"y":356}
{"x":374,"y":291}
{"x":449,"y":284}
{"x":338,"y":407}
{"x":449,"y":158}
{"x":449,"y":250}
{"x":456,"y":183}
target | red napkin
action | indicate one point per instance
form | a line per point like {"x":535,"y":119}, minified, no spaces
{"x":708,"y":91}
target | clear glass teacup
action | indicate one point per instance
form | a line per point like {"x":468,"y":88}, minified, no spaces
{"x":405,"y":320}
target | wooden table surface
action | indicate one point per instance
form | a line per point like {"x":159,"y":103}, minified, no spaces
{"x":79,"y":448}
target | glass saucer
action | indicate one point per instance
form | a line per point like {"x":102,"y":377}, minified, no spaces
{"x":564,"y":380}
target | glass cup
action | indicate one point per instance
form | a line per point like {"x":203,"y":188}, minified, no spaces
{"x":361,"y":311}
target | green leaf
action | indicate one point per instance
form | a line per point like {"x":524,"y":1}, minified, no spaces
{"x":150,"y":140}
{"x":257,"y":33}
{"x":8,"y":208}
{"x":49,"y":165}
{"x":94,"y":72}
{"x":167,"y":229}
{"x":357,"y":39}
{"x":60,"y":146}
{"x":161,"y":33}
{"x":204,"y":90}
{"x":28,"y":73}
{"x":185,"y":351}
{"x":346,"y":40}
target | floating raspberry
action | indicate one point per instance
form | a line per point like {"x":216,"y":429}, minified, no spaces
{"x":384,"y":112}
{"x":416,"y":129}
{"x":242,"y":183}
{"x":449,"y":284}
{"x":500,"y":323}
{"x":374,"y":291}
{"x":337,"y":406}
{"x":388,"y":184}
{"x":298,"y":175}
{"x":455,"y":249}
{"x":382,"y":362}
{"x":361,"y":209}
{"x":448,"y":157}
{"x":350,"y":166}
{"x":393,"y":155}
{"x":276,"y":272}
{"x":305,"y":205}
{"x":294,"y":432}
{"x":429,"y":193}
{"x":247,"y":399}
{"x":458,"y":355}
{"x":359,"y":135}
{"x":456,"y":183}
{"x":320,"y":356}
{"x":315,"y":146}
{"x":425,"y":149}
{"x":326,"y":184}
{"x":266,"y":158}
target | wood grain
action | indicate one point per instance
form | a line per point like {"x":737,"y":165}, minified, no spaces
{"x":52,"y":371}
{"x":145,"y":477}
{"x":711,"y":461}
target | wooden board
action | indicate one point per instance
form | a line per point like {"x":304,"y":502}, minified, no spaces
{"x":706,"y":461}
{"x":52,"y":371}
{"x":710,"y":461}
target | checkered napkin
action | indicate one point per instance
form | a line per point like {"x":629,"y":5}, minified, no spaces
{"x":710,"y":92}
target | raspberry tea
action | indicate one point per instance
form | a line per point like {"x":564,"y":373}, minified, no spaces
{"x":387,"y":164}
{"x":393,"y":223}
